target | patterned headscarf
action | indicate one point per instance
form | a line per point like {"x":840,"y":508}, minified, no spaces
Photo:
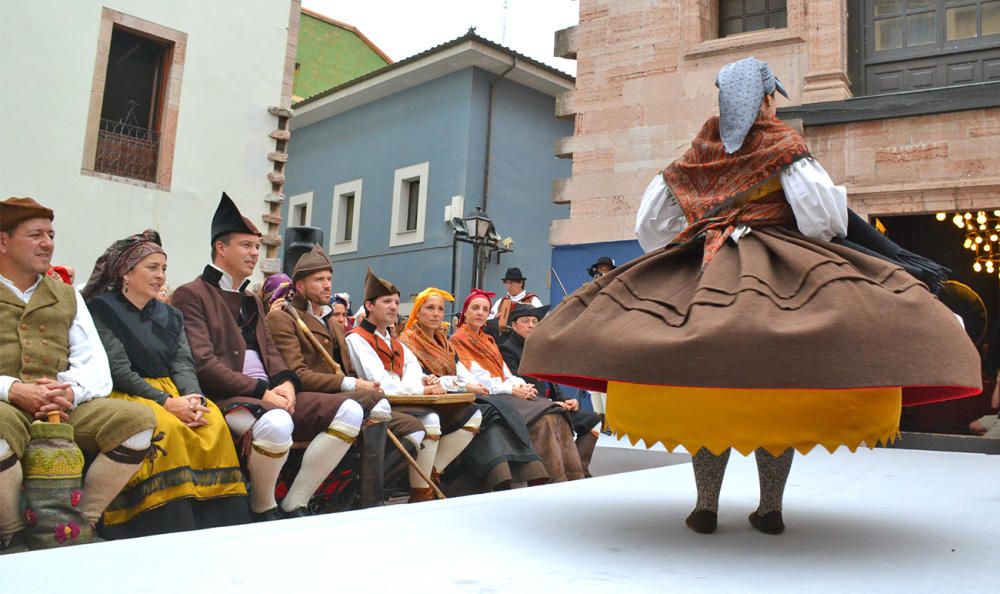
{"x":275,"y":287}
{"x":742,"y":86}
{"x":121,"y":257}
{"x":421,"y":299}
{"x":475,"y":294}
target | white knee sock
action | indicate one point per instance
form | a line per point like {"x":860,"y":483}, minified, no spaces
{"x":10,"y":493}
{"x":325,"y":451}
{"x":428,"y":451}
{"x":272,"y":438}
{"x":454,"y":443}
{"x":381,"y":412}
{"x":107,"y":476}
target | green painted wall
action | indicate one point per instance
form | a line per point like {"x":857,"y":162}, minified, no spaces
{"x":329,"y":55}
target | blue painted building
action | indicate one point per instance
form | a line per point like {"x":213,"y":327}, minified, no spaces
{"x":381,"y":163}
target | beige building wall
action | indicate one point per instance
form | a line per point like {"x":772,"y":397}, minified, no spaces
{"x":235,"y":59}
{"x":645,"y":85}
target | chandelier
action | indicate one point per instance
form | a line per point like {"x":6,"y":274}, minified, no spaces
{"x":982,"y":237}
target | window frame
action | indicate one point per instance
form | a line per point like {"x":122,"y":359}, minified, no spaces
{"x":861,"y":42}
{"x":766,"y":13}
{"x":169,"y":102}
{"x":355,"y":188}
{"x":399,"y":235}
{"x":304,"y":200}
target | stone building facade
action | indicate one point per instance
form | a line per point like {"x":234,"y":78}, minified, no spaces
{"x":898,"y":99}
{"x":645,"y":73}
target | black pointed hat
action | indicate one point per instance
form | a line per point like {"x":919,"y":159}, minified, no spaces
{"x":228,"y":219}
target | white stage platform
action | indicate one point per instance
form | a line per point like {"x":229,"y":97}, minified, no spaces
{"x":875,"y":521}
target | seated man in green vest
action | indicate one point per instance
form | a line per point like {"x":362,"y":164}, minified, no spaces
{"x":52,"y":360}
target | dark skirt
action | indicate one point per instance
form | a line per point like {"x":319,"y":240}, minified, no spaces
{"x":501,"y":453}
{"x":181,"y":515}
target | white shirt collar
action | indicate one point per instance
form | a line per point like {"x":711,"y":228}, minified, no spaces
{"x":226,"y":282}
{"x":323,"y":312}
{"x":25,"y":295}
{"x":519,"y":296}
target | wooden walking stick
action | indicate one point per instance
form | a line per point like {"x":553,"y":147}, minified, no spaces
{"x":337,"y":369}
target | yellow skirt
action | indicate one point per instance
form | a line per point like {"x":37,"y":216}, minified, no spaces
{"x":200,"y":463}
{"x":748,"y":419}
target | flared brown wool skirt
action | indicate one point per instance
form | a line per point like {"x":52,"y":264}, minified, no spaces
{"x":776,"y":324}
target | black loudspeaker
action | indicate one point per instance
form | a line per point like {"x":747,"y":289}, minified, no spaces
{"x":298,"y":240}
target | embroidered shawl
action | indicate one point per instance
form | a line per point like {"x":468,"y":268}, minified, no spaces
{"x":479,"y":347}
{"x":435,"y":353}
{"x":718,"y":191}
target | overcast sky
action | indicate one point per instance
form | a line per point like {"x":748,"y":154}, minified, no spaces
{"x":403,"y":28}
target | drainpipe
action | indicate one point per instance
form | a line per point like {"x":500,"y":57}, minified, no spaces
{"x":478,"y":265}
{"x":489,"y":133}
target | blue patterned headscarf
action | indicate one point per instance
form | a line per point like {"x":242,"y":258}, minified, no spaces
{"x":742,"y":86}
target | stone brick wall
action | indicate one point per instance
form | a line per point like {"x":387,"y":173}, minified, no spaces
{"x":645,"y":74}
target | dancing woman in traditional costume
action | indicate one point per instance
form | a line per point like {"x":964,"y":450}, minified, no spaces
{"x":744,"y":326}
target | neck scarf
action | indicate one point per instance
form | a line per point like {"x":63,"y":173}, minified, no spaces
{"x":718,"y":191}
{"x":121,"y":257}
{"x":419,"y":303}
{"x":476,"y":293}
{"x":477,"y":347}
{"x":435,"y":353}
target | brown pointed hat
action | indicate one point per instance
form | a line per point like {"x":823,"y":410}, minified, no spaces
{"x":14,"y":211}
{"x":376,"y":287}
{"x":228,"y":219}
{"x":312,"y":261}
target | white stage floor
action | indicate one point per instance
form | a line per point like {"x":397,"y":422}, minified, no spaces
{"x":875,"y":521}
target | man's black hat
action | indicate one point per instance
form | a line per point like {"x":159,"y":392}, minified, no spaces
{"x":228,"y":219}
{"x":524,"y":311}
{"x":513,"y":274}
{"x":592,"y":271}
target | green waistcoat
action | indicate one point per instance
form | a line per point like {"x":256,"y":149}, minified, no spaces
{"x":35,"y":338}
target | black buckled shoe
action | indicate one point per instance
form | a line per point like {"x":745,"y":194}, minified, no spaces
{"x":266,"y":516}
{"x":299,"y":512}
{"x":702,"y":521}
{"x":769,"y":523}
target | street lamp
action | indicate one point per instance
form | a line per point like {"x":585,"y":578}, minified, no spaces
{"x":476,"y":229}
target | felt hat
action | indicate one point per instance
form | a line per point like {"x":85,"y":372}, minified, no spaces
{"x":312,"y":261}
{"x":227,"y":219}
{"x":376,"y":287}
{"x":526,"y":311}
{"x":14,"y":211}
{"x":605,"y":260}
{"x":513,"y":274}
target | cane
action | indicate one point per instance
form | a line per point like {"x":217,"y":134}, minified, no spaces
{"x":335,"y":367}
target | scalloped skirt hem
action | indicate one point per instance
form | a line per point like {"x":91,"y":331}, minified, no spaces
{"x":749,"y":419}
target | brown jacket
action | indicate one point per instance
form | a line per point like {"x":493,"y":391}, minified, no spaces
{"x":212,"y":319}
{"x":300,"y":354}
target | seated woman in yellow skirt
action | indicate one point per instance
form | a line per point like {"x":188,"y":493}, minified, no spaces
{"x":746,"y":326}
{"x":198,"y":483}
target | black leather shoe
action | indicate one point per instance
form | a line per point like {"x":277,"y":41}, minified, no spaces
{"x":266,"y":516}
{"x":702,"y":521}
{"x":769,"y":523}
{"x":299,"y":512}
{"x":16,"y":543}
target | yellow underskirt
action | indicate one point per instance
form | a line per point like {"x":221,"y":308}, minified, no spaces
{"x":200,"y":463}
{"x":748,"y":419}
